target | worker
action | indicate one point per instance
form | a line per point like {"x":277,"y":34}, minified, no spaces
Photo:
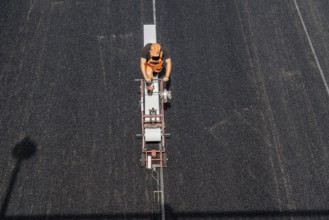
{"x":153,"y":55}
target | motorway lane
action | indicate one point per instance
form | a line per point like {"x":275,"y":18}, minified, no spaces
{"x":249,"y":120}
{"x":250,"y":117}
{"x":67,"y":83}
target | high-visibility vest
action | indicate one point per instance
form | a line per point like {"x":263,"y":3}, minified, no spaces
{"x":157,"y":64}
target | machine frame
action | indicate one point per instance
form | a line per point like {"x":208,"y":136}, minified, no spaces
{"x":153,"y":153}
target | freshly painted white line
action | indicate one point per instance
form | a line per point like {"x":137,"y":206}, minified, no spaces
{"x":149,"y":34}
{"x":312,"y":48}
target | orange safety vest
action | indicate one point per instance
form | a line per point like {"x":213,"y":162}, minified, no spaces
{"x":156,"y":65}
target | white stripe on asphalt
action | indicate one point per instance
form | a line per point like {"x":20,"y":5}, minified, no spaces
{"x":154,"y":17}
{"x":150,"y":35}
{"x":312,"y":48}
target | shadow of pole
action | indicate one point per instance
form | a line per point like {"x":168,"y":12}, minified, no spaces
{"x":26,"y":149}
{"x":174,"y":215}
{"x":23,"y":150}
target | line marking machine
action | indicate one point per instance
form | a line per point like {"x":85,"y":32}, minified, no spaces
{"x":154,"y":156}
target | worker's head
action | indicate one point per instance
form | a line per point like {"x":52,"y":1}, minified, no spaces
{"x":155,"y":50}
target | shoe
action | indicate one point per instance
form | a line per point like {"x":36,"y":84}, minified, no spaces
{"x":151,"y":87}
{"x":150,"y":92}
{"x":166,"y":96}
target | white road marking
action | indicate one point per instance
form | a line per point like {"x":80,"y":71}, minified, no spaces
{"x":312,"y":48}
{"x":150,"y":29}
{"x":150,"y":35}
{"x":154,"y":13}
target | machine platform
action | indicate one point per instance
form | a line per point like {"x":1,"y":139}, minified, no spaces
{"x":153,"y":125}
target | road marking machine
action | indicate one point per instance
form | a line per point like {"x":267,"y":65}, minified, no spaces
{"x":154,"y":156}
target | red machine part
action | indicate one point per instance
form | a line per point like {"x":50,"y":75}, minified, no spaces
{"x":158,"y":157}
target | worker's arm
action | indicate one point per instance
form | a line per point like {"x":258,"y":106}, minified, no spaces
{"x":168,"y":69}
{"x":143,"y":69}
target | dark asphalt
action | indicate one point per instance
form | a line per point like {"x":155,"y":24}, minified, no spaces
{"x":249,"y":119}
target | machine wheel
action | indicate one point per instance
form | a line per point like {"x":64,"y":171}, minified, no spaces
{"x":142,"y":160}
{"x":164,"y":159}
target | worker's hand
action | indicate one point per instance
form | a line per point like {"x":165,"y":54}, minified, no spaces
{"x":148,"y":79}
{"x":165,"y":79}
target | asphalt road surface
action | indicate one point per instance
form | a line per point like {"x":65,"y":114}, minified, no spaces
{"x":249,"y":119}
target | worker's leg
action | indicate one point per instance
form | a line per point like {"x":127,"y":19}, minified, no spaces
{"x":166,"y":85}
{"x":149,"y":73}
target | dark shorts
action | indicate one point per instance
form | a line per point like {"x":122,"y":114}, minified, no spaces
{"x":160,"y":75}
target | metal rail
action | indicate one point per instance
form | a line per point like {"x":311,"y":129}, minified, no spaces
{"x":157,"y":175}
{"x":162,"y":202}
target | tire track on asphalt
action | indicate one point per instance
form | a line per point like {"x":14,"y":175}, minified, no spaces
{"x":99,"y":38}
{"x":272,"y":134}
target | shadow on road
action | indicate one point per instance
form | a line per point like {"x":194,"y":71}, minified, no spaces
{"x":26,"y":149}
{"x":172,"y":215}
{"x":23,"y":150}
